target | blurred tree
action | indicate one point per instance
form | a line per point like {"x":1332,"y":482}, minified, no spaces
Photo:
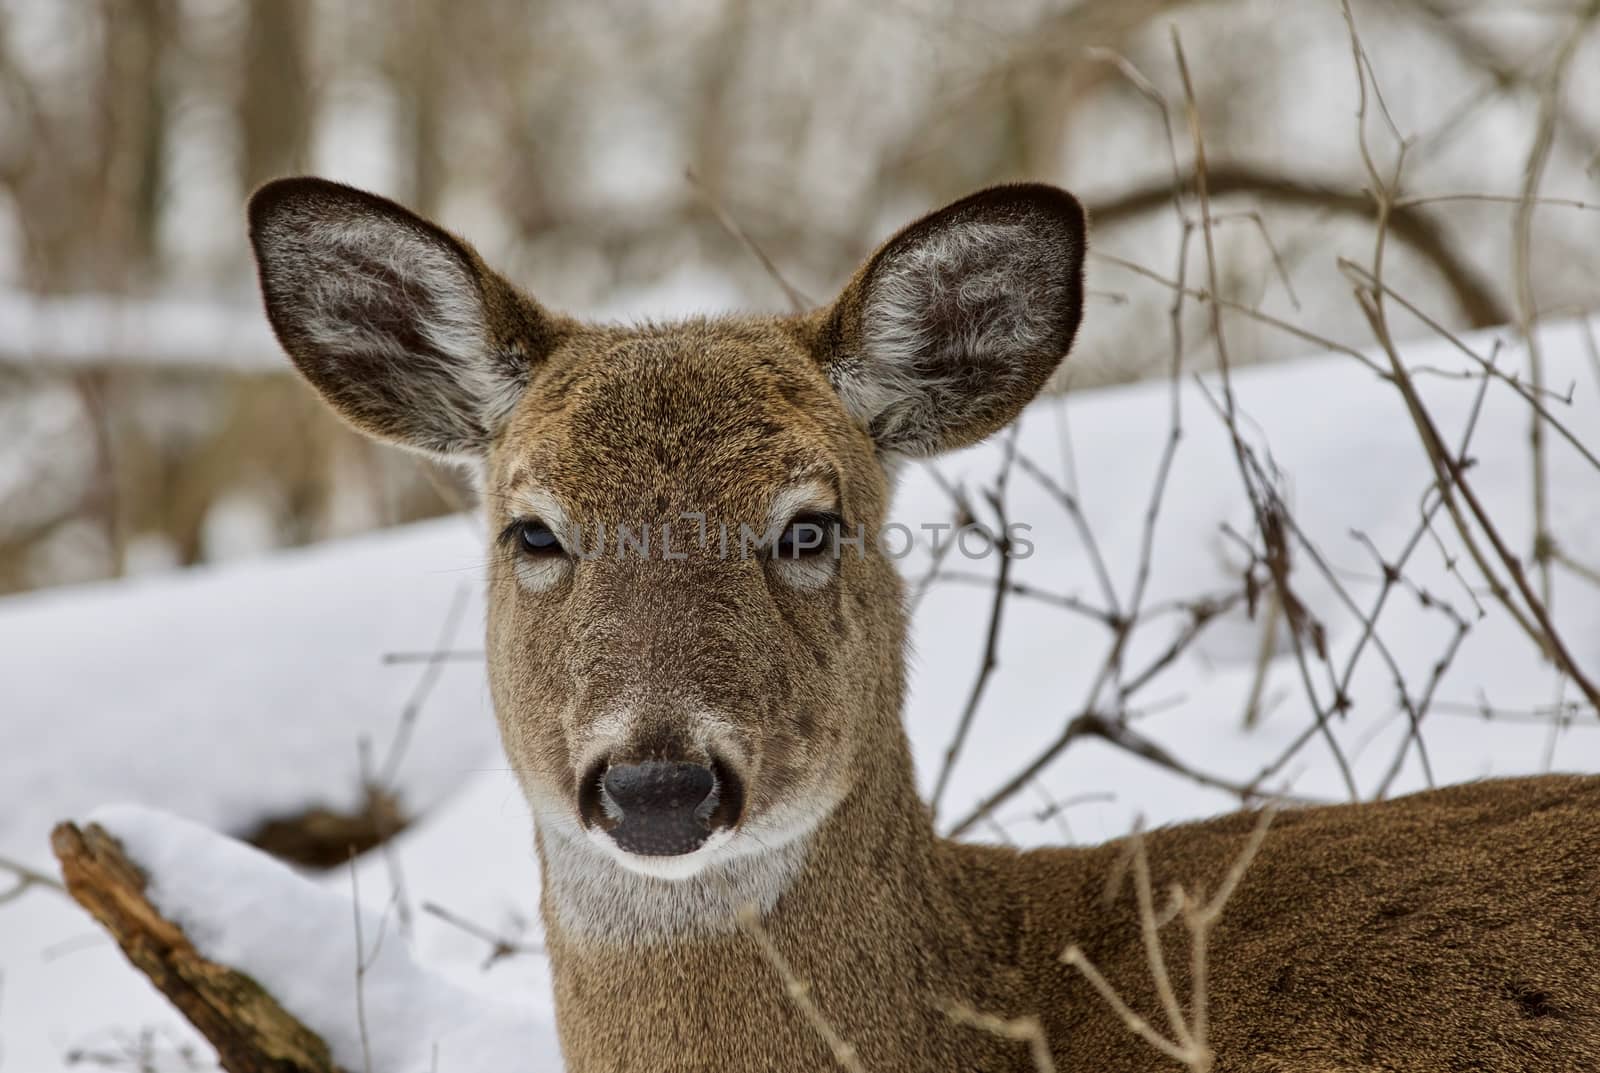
{"x":126,"y":178}
{"x":275,"y":99}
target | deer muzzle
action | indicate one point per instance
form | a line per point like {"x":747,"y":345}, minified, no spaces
{"x":661,"y":808}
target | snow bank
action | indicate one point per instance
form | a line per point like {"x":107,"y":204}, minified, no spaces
{"x":243,"y":909}
{"x":236,"y":694}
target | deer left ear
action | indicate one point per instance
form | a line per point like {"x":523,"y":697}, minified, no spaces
{"x":394,"y":320}
{"x":955,"y":324}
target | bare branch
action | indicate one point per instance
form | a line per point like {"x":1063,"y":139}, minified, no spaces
{"x":26,"y":879}
{"x":797,"y":301}
{"x":1000,"y":542}
{"x":1018,"y":1029}
{"x":500,"y":946}
{"x":389,"y":771}
{"x":799,"y":992}
{"x":1527,"y":303}
{"x":250,"y":1030}
{"x":1474,"y":293}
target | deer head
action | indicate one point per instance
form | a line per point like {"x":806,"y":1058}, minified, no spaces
{"x":694,"y":639}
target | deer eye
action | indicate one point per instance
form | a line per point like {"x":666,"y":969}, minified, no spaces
{"x":533,"y":538}
{"x":807,"y":536}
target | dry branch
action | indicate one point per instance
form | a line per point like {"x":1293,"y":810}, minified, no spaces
{"x":500,"y":945}
{"x":1016,"y":1029}
{"x":798,"y":302}
{"x":1092,"y":724}
{"x":799,"y":992}
{"x":1190,"y":1044}
{"x":1450,"y":474}
{"x":251,"y":1032}
{"x":1000,"y":541}
{"x":1527,"y":302}
{"x":1476,"y":295}
{"x":24,"y":880}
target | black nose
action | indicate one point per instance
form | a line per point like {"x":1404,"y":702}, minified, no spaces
{"x":660,"y":808}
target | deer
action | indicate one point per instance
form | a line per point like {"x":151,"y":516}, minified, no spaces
{"x":737,"y":871}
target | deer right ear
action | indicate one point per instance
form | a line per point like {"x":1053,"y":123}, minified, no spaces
{"x":393,"y":320}
{"x":954,"y":325}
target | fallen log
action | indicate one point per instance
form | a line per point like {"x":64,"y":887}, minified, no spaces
{"x":250,"y":1030}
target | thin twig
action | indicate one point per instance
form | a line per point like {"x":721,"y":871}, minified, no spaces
{"x":1266,"y":506}
{"x":459,"y":655}
{"x":799,"y":992}
{"x":390,"y":769}
{"x":797,"y":301}
{"x":1075,"y":957}
{"x":500,"y":946}
{"x":26,"y":879}
{"x":1000,"y":541}
{"x":1531,"y":394}
{"x":1017,"y":1029}
{"x":1474,"y":293}
{"x":1155,"y":957}
{"x":361,"y":969}
{"x":1074,"y":510}
{"x":1452,"y":482}
{"x":1495,"y":199}
{"x":1527,"y":303}
{"x":1026,"y":591}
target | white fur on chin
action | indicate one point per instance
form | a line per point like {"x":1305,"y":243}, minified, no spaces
{"x":599,"y":891}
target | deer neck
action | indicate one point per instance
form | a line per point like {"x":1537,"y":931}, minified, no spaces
{"x":866,"y":910}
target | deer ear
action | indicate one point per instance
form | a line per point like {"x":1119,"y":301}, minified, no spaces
{"x":954,"y":325}
{"x":393,"y":320}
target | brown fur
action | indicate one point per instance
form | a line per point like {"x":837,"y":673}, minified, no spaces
{"x":1454,"y":930}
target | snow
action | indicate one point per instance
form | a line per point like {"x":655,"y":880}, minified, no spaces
{"x":238,"y":694}
{"x":1354,"y":466}
{"x":229,"y":695}
{"x":299,"y":941}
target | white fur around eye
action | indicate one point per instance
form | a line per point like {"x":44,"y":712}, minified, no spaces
{"x":810,"y":573}
{"x":543,"y":573}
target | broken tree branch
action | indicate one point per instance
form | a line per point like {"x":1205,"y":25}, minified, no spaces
{"x":251,"y":1032}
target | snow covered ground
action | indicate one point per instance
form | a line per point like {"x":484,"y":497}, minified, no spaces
{"x":231,"y":695}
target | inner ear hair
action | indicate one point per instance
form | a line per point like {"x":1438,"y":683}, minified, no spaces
{"x":958,"y":321}
{"x":395,"y":321}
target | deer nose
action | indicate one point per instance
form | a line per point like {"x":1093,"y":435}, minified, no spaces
{"x":660,"y":808}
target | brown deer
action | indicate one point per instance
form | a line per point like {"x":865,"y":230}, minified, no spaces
{"x":708,"y":732}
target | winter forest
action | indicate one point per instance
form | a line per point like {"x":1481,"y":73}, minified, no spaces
{"x":1311,"y":510}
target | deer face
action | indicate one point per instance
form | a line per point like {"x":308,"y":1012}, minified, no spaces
{"x":691,"y":622}
{"x":676,"y":658}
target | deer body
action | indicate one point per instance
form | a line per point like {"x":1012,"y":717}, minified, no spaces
{"x":1452,"y":930}
{"x":709,"y":737}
